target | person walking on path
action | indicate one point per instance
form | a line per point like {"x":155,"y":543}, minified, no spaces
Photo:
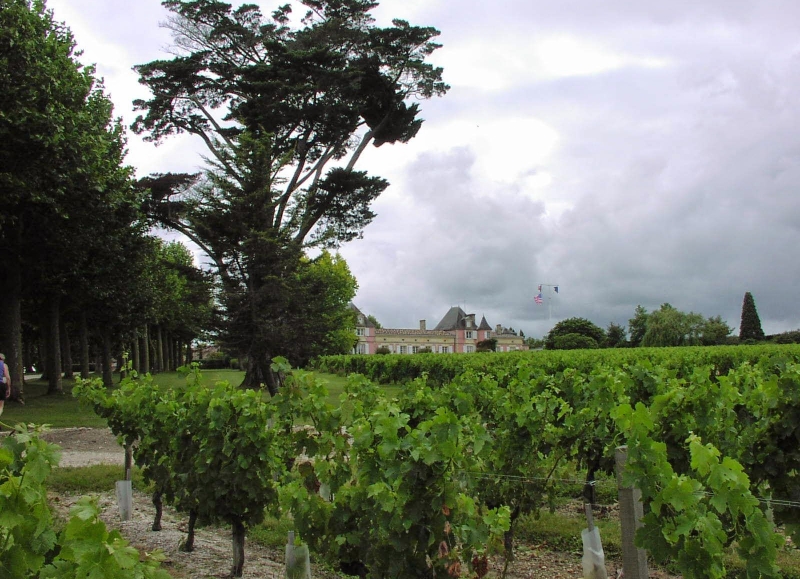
{"x":5,"y":383}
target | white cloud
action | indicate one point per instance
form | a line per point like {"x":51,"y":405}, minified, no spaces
{"x":500,"y":63}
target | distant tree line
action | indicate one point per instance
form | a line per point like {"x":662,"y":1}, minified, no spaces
{"x":666,"y":326}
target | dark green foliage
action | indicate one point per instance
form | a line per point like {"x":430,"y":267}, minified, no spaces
{"x":750,"y":328}
{"x":383,"y":350}
{"x":615,"y":336}
{"x":638,"y":326}
{"x":573,"y":342}
{"x":668,"y":326}
{"x":487,"y":345}
{"x":580,"y":326}
{"x":714,"y":332}
{"x":792,"y":337}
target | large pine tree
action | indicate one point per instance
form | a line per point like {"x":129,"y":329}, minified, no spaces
{"x":751,"y":323}
{"x":285,"y":108}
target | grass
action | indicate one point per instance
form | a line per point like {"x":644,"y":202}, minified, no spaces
{"x":561,"y":531}
{"x":57,"y":410}
{"x":91,"y":479}
{"x":271,"y":532}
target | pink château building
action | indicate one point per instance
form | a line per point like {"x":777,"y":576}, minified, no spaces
{"x":457,"y":332}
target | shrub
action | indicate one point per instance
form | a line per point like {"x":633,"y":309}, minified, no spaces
{"x":487,"y":345}
{"x":792,"y":337}
{"x":425,"y":350}
{"x":580,"y":326}
{"x":383,"y":350}
{"x":574,"y":342}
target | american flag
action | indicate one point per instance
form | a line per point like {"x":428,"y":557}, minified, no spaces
{"x":538,"y":298}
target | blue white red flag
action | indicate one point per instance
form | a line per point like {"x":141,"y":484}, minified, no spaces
{"x":555,"y":288}
{"x":538,"y":298}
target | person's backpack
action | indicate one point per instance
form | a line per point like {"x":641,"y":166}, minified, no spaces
{"x":2,"y":372}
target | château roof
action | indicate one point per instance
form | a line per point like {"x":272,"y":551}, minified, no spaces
{"x":484,"y":325}
{"x":452,"y":319}
{"x":361,"y":319}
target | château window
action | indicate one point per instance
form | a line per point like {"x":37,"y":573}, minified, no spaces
{"x":470,"y":335}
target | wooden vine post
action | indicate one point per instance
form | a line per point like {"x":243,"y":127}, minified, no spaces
{"x":631,"y":511}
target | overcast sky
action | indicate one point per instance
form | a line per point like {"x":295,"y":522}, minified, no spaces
{"x":628,"y":151}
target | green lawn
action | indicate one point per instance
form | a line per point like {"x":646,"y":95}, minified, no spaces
{"x":59,"y":411}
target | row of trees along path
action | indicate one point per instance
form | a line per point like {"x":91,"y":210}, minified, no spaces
{"x":81,"y":273}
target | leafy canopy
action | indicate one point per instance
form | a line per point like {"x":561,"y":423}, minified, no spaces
{"x":580,"y":326}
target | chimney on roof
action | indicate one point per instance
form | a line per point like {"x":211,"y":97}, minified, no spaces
{"x":422,"y":325}
{"x":498,"y":329}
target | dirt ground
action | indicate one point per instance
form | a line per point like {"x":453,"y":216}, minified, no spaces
{"x":212,"y":555}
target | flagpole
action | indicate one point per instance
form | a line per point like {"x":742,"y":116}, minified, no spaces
{"x":549,"y":298}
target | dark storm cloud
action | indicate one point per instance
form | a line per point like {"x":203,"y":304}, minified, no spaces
{"x":680,"y":172}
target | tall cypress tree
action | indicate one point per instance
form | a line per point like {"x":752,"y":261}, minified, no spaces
{"x":751,"y":323}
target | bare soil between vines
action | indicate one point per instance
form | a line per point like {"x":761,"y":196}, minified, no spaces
{"x":212,"y":554}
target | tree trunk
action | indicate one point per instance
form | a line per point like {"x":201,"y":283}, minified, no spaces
{"x":84,"y":339}
{"x":189,"y":354}
{"x":508,"y":536}
{"x":146,"y":350}
{"x":29,"y":354}
{"x":177,"y":352}
{"x":43,"y":347}
{"x":159,"y":350}
{"x":66,"y":351}
{"x":11,"y":325}
{"x":237,"y":538}
{"x":188,"y":545}
{"x":128,"y":462}
{"x":108,"y":375}
{"x":173,"y":358}
{"x":54,"y":383}
{"x":167,"y":352}
{"x":159,"y":505}
{"x":137,"y":366}
{"x":259,"y":374}
{"x":122,"y":362}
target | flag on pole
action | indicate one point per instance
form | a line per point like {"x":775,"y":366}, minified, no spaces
{"x":538,"y":298}
{"x":540,"y":288}
{"x":555,"y":288}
